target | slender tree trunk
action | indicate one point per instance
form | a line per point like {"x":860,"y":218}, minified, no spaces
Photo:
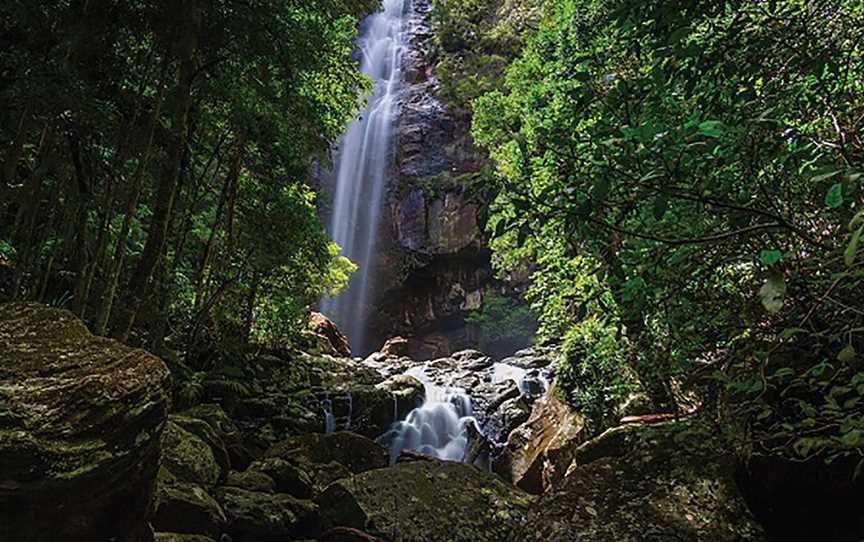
{"x":13,"y":155}
{"x":169,"y":178}
{"x":231,"y":180}
{"x":249,"y":309}
{"x":103,"y":314}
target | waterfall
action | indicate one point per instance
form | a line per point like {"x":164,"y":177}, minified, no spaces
{"x":438,"y":428}
{"x":362,"y":162}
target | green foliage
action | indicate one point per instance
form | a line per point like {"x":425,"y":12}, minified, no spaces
{"x":475,"y":39}
{"x":502,"y":319}
{"x":155,"y":160}
{"x":692,"y":171}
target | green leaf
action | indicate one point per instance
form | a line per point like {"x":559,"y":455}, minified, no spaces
{"x":661,"y":204}
{"x":772,"y":294}
{"x":847,"y":355}
{"x":825,"y":176}
{"x":600,"y":189}
{"x":500,"y":227}
{"x":770,"y":257}
{"x":852,"y":250}
{"x":834,"y":198}
{"x":853,"y":439}
{"x":711,"y":128}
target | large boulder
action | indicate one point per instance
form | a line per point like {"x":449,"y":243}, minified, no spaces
{"x":80,"y":425}
{"x":191,"y":458}
{"x":187,"y":509}
{"x":267,"y":517}
{"x":635,"y":483}
{"x":426,"y":501}
{"x":536,"y":452}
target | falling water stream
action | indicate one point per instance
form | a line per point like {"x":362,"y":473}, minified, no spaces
{"x":362,"y":162}
{"x":438,"y":427}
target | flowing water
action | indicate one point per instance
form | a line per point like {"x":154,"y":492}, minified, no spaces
{"x":362,"y":162}
{"x":439,"y":427}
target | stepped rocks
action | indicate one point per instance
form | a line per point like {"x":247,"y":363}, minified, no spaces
{"x":80,"y":424}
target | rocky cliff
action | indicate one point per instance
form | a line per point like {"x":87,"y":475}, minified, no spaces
{"x":434,"y":262}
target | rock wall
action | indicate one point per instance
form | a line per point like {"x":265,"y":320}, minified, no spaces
{"x":434,"y":263}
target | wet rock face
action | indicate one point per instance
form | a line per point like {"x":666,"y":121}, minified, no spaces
{"x":670,"y":481}
{"x":80,"y":425}
{"x":426,"y":501}
{"x":535,"y":456}
{"x":434,"y":263}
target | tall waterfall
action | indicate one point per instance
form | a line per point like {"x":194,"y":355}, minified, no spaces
{"x":362,"y":162}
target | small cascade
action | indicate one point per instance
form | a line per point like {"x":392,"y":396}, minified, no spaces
{"x":333,"y":423}
{"x":533,"y":383}
{"x":439,"y":427}
{"x":329,"y":418}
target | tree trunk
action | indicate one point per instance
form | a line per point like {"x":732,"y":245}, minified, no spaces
{"x":106,"y":301}
{"x":169,"y":177}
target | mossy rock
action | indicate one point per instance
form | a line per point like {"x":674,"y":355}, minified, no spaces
{"x":355,"y":452}
{"x":190,"y":458}
{"x":179,"y":537}
{"x":427,"y":501}
{"x":635,"y":483}
{"x":266,"y":517}
{"x":80,"y":424}
{"x":187,"y":509}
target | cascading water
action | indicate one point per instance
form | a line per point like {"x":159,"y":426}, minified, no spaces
{"x":438,"y":428}
{"x":361,"y":165}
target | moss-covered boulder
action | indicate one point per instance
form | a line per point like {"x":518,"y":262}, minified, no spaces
{"x":636,"y":483}
{"x":355,"y":452}
{"x":251,"y":480}
{"x":80,"y":424}
{"x":190,"y":458}
{"x":291,"y":477}
{"x":427,"y":501}
{"x":179,"y":537}
{"x":266,"y":517}
{"x":187,"y":509}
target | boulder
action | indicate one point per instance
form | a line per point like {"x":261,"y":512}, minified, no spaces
{"x":535,"y":455}
{"x":188,"y":509}
{"x":288,"y":476}
{"x":178,"y":537}
{"x":190,"y":458}
{"x":324,"y":327}
{"x":424,"y":501}
{"x":251,"y":480}
{"x":669,"y":481}
{"x":239,"y":456}
{"x":395,"y":346}
{"x":356,"y":453}
{"x":346,"y":534}
{"x":266,"y":517}
{"x":407,"y":393}
{"x":80,"y":425}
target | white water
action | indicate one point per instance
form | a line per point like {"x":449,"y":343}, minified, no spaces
{"x":533,"y":383}
{"x":438,"y":427}
{"x":362,"y":163}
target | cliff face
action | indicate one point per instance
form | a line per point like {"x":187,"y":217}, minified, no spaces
{"x":434,"y":264}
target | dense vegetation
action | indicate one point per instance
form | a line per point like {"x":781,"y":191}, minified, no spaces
{"x":684,"y":181}
{"x":155,"y":160}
